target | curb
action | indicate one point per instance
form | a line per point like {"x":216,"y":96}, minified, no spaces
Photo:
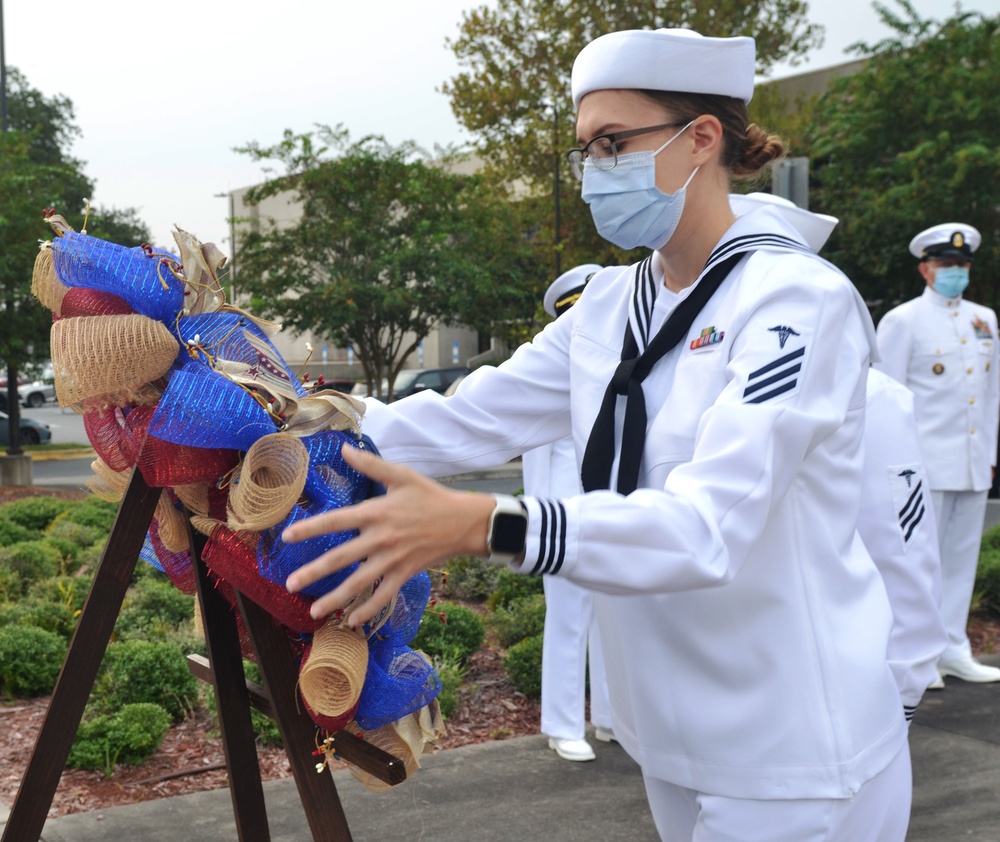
{"x":61,"y":455}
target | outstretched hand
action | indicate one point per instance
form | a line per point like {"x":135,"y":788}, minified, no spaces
{"x":415,"y":525}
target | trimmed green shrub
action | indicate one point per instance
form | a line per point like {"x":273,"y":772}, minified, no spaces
{"x":146,"y":671}
{"x":470,"y":578}
{"x":71,"y":591}
{"x":523,"y":618}
{"x":89,"y":558}
{"x":131,"y":735}
{"x":152,"y":607}
{"x":458,"y":635}
{"x":511,"y":586}
{"x":55,"y":617}
{"x":31,"y":561}
{"x":76,"y":535}
{"x":35,"y":513}
{"x":523,"y":665}
{"x":30,"y":660}
{"x":93,"y":512}
{"x":987,"y":587}
{"x":452,"y":674}
{"x":11,"y":588}
{"x":991,"y":539}
{"x":12,"y":533}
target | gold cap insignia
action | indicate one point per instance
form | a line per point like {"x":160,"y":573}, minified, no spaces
{"x":957,"y":240}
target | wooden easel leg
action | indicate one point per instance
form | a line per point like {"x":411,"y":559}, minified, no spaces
{"x":232,"y":704}
{"x":79,"y":670}
{"x":318,"y":792}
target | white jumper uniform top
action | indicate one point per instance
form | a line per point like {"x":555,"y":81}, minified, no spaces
{"x":898,"y":527}
{"x":945,"y":351}
{"x":745,"y":627}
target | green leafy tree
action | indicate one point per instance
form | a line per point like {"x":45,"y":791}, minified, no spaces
{"x":36,"y":172}
{"x":513,"y":93}
{"x":908,"y":142}
{"x":388,"y":245}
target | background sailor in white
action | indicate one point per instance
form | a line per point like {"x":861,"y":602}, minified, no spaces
{"x":944,"y":349}
{"x":898,"y":527}
{"x":896,"y":520}
{"x":570,"y":626}
{"x":744,"y":625}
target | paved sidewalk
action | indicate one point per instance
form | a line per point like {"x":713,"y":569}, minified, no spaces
{"x":519,"y":790}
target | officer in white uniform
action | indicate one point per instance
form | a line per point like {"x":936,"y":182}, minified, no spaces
{"x":570,"y":626}
{"x":944,"y":349}
{"x":897,"y":520}
{"x":715,"y":393}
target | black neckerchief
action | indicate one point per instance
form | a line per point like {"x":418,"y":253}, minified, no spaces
{"x":634,"y":367}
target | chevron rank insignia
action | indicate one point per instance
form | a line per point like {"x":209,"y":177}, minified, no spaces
{"x":708,"y":336}
{"x":908,"y":496}
{"x":778,"y":377}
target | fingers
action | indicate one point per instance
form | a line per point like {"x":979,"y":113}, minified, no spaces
{"x":358,"y":582}
{"x":338,"y":520}
{"x":372,"y":466}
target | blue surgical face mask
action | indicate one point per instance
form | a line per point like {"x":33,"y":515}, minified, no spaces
{"x":951,"y":281}
{"x":629,"y":210}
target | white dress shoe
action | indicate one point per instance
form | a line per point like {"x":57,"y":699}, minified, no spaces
{"x":605,"y":735}
{"x":572,"y":749}
{"x":937,"y":683}
{"x":969,"y":669}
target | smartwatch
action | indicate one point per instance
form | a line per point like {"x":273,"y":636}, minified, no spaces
{"x":507,"y":530}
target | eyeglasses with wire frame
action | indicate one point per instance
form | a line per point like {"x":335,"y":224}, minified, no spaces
{"x":603,"y":149}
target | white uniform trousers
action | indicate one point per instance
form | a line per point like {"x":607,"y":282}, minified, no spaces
{"x":569,"y":627}
{"x":878,"y":812}
{"x":960,"y":517}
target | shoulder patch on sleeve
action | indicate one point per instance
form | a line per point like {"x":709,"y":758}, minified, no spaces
{"x":908,"y":490}
{"x":778,"y":377}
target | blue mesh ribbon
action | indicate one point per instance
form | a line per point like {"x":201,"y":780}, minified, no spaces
{"x":222,"y":335}
{"x":201,"y":408}
{"x":278,"y":560}
{"x":129,"y":273}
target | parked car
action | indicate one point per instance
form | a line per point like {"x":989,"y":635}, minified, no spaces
{"x":413,"y":380}
{"x":36,"y":394}
{"x":360,"y":390}
{"x":339,"y":384}
{"x":32,"y":431}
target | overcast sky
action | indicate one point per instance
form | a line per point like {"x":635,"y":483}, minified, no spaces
{"x":164,"y":91}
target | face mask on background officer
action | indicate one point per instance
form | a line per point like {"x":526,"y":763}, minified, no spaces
{"x":947,"y":276}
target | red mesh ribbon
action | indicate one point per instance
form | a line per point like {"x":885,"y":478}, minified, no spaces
{"x":80,"y":301}
{"x":106,"y":431}
{"x":234,"y":559}
{"x":164,"y":463}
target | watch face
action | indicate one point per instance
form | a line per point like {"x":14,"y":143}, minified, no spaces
{"x":509,"y":533}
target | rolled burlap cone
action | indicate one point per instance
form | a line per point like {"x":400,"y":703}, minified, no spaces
{"x":172,"y":524}
{"x":109,"y":358}
{"x":332,"y":675}
{"x":269,"y":482}
{"x":45,"y":284}
{"x":194,"y":496}
{"x":107,"y":483}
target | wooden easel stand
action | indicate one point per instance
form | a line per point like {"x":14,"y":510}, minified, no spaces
{"x":233,"y":694}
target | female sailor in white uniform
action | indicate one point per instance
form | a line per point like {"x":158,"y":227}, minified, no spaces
{"x":715,"y":392}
